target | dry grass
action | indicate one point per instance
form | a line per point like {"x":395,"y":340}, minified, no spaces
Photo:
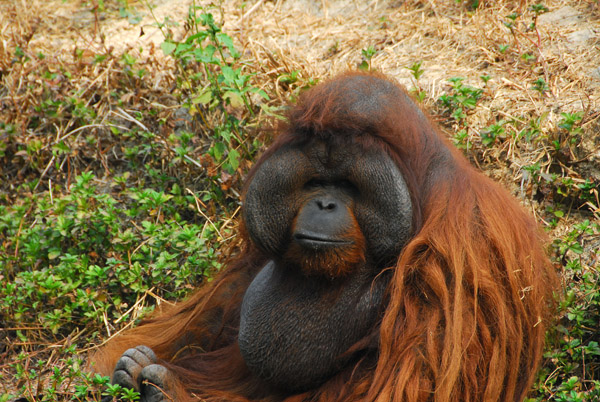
{"x":318,"y":39}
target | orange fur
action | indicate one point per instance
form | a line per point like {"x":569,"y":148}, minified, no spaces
{"x":469,"y":301}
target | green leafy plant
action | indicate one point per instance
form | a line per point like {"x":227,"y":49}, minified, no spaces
{"x":528,"y":57}
{"x":533,"y":128}
{"x":538,"y":8}
{"x":491,"y":133}
{"x":570,"y":123}
{"x":540,"y":85}
{"x":460,"y":99}
{"x":219,"y":83}
{"x":572,"y":369}
{"x":511,"y":19}
{"x":569,"y":131}
{"x":367,"y":55}
{"x":87,"y":251}
{"x":416,"y":71}
{"x":461,"y":140}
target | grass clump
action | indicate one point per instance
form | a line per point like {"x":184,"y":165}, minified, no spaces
{"x":114,"y":198}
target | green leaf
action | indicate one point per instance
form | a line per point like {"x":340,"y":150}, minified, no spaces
{"x":228,"y":75}
{"x":200,"y":36}
{"x":168,"y":47}
{"x":261,"y":92}
{"x":53,"y":254}
{"x":226,"y":40}
{"x":203,"y":98}
{"x":235,"y":99}
{"x":206,"y":55}
{"x":233,"y":159}
{"x":218,"y":150}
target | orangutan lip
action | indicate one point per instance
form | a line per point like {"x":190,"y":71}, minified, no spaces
{"x":317,"y":240}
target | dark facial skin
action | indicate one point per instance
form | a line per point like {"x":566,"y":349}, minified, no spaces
{"x":332,"y":218}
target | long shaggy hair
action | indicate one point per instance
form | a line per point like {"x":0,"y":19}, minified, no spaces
{"x":469,"y":301}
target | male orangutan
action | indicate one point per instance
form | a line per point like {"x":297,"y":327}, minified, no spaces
{"x":377,"y":265}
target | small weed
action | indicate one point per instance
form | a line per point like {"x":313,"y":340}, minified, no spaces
{"x":416,"y":71}
{"x":568,"y":133}
{"x":570,"y":123}
{"x":528,"y":57}
{"x":533,"y":128}
{"x":540,"y":86}
{"x":511,"y":19}
{"x":555,"y":216}
{"x":460,"y":99}
{"x":590,"y":191}
{"x":538,"y":8}
{"x":456,"y":104}
{"x":461,"y":140}
{"x":367,"y":56}
{"x":491,"y":133}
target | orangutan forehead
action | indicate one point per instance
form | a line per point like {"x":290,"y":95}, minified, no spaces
{"x":334,"y":157}
{"x":366,"y":96}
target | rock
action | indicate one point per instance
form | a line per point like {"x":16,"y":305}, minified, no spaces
{"x":595,"y":73}
{"x":563,"y":16}
{"x":581,"y":36}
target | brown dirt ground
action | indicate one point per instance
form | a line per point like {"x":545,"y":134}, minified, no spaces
{"x":321,"y":38}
